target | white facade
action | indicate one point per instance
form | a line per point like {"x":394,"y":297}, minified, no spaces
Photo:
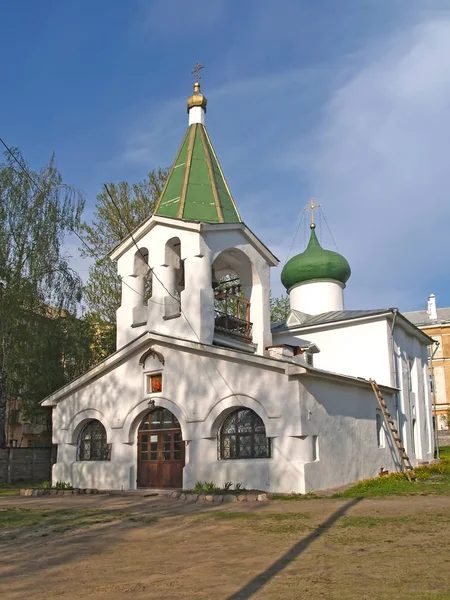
{"x":388,"y":349}
{"x":306,"y":428}
{"x":203,"y":250}
{"x":322,"y":427}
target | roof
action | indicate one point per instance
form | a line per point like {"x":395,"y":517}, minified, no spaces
{"x":196,"y":189}
{"x":315,"y":263}
{"x":421,"y":318}
{"x":299,"y":320}
{"x":304,"y":320}
{"x":149,"y":338}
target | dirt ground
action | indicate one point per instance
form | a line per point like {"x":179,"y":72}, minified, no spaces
{"x":153,"y":548}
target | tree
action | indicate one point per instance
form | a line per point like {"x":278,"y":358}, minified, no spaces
{"x":279,"y":308}
{"x":37,"y":285}
{"x":136,"y":203}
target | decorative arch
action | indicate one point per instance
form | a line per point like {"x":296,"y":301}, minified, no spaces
{"x":240,"y":261}
{"x":227,"y":405}
{"x":153,"y":354}
{"x":140,"y":262}
{"x":136,"y":414}
{"x":79,"y":420}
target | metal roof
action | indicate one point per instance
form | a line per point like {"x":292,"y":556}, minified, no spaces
{"x":329,"y":317}
{"x":420,"y":317}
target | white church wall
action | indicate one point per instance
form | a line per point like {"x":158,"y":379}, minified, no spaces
{"x":415,"y":411}
{"x":193,"y":317}
{"x":316,"y":429}
{"x":359,"y":349}
{"x":344,"y":420}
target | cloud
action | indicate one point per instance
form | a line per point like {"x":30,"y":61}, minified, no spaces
{"x":366,"y":132}
{"x":379,"y":162}
{"x":168,"y":18}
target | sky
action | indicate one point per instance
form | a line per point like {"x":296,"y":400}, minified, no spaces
{"x":347,"y":101}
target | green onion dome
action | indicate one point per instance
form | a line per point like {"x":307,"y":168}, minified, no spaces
{"x":314,"y":264}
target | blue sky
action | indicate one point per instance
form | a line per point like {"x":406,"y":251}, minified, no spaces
{"x":345,"y":101}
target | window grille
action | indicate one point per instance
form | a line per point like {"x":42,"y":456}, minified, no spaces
{"x":243,"y":435}
{"x":92,"y":443}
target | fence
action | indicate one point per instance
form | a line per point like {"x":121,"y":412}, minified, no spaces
{"x":28,"y":464}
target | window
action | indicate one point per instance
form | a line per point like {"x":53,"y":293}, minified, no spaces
{"x":92,"y":443}
{"x":154,"y":383}
{"x":39,"y":419}
{"x":309,"y":359}
{"x":315,"y":447}
{"x":414,"y":436}
{"x":160,"y":418}
{"x":243,"y":435}
{"x":410,"y":372}
{"x":380,"y":429}
{"x":15,"y":418}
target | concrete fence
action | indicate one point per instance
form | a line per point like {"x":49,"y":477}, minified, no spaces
{"x":444,"y":437}
{"x":26,"y":464}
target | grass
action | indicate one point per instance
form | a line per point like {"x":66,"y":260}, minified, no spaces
{"x":294,"y":497}
{"x":13,"y":489}
{"x":432,"y":480}
{"x":265,"y":523}
{"x":59,"y":520}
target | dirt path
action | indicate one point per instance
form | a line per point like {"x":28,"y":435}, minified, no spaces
{"x":154,"y":548}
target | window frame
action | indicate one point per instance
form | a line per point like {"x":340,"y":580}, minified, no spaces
{"x":102,"y":453}
{"x":381,"y":433}
{"x":235,"y":446}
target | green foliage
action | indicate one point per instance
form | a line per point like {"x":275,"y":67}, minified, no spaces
{"x":279,"y":308}
{"x":211,"y":487}
{"x":58,"y":520}
{"x":206,"y":486}
{"x":294,"y":497}
{"x":431,"y":480}
{"x":63,"y":485}
{"x":37,"y":286}
{"x":136,"y":203}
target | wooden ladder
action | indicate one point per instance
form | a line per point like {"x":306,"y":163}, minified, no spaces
{"x":390,"y":423}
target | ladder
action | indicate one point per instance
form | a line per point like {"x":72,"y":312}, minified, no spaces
{"x":390,"y":423}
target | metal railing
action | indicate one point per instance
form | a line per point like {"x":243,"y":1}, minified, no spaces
{"x":233,"y":326}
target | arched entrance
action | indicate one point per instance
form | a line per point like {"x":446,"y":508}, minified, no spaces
{"x":160,"y":450}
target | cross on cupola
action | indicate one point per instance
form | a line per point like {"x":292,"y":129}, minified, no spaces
{"x":311,"y":207}
{"x":196,"y":72}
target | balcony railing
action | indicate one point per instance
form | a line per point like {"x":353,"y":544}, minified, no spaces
{"x":233,"y":326}
{"x":232,"y":311}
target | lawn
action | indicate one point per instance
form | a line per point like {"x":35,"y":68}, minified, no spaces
{"x":432,"y":480}
{"x":12,"y":489}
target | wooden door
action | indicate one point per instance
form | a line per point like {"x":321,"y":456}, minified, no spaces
{"x":160,"y":451}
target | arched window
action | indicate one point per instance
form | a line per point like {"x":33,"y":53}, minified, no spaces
{"x":92,"y":443}
{"x":243,"y":435}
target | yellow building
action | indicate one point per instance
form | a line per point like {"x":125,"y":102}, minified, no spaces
{"x":435,"y":322}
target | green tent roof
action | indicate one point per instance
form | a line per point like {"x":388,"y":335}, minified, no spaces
{"x":313,"y":264}
{"x":196,"y":189}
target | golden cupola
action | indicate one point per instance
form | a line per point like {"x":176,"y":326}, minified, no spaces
{"x":197,"y":98}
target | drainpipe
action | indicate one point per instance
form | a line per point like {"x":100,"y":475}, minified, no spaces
{"x":433,"y":401}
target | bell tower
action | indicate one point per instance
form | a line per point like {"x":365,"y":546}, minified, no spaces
{"x":209,"y":273}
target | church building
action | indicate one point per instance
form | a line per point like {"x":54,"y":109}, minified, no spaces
{"x":202,"y":387}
